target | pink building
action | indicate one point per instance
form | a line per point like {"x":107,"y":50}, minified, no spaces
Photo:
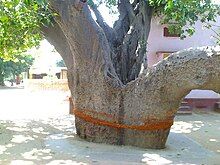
{"x":161,"y":44}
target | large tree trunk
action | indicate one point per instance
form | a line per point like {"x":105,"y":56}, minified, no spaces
{"x":139,"y":113}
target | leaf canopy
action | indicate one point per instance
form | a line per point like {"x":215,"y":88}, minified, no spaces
{"x":20,"y":22}
{"x":9,"y":69}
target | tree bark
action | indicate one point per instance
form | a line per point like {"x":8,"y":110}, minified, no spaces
{"x":132,"y":31}
{"x":128,"y":37}
{"x":94,"y":82}
{"x":156,"y":96}
{"x":139,"y":113}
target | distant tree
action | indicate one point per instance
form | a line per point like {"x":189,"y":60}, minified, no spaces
{"x":10,"y":69}
{"x":60,"y":63}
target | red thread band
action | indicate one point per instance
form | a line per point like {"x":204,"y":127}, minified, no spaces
{"x":165,"y":124}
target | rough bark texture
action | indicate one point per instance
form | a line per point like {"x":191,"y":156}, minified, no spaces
{"x":141,"y":112}
{"x":128,"y":37}
{"x":158,"y":94}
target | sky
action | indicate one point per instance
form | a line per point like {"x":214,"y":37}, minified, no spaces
{"x":45,"y":55}
{"x":109,"y":18}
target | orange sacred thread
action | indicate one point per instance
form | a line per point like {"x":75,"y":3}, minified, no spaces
{"x":166,"y":124}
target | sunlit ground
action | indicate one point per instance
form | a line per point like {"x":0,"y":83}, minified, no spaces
{"x":24,"y":103}
{"x":36,"y":129}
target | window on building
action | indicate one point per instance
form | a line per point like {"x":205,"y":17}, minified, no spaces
{"x":166,"y":33}
{"x":164,"y":54}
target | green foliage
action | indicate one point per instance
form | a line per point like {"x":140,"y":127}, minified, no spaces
{"x":60,"y":63}
{"x":20,"y":22}
{"x":10,"y":68}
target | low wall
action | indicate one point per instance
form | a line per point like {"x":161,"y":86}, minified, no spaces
{"x":42,"y":84}
{"x":202,"y":99}
{"x":207,"y":103}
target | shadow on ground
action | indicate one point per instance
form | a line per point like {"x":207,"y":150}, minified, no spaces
{"x":53,"y":141}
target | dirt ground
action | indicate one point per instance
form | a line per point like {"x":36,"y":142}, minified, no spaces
{"x":36,"y":129}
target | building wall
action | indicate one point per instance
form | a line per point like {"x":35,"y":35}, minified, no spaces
{"x":158,"y":43}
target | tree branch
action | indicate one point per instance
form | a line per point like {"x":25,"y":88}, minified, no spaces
{"x":196,"y":68}
{"x":86,"y":39}
{"x":129,"y":8}
{"x":133,"y":44}
{"x":109,"y":32}
{"x":60,"y":6}
{"x":54,"y":34}
{"x":56,"y":37}
{"x":159,"y":92}
{"x":122,"y":25}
